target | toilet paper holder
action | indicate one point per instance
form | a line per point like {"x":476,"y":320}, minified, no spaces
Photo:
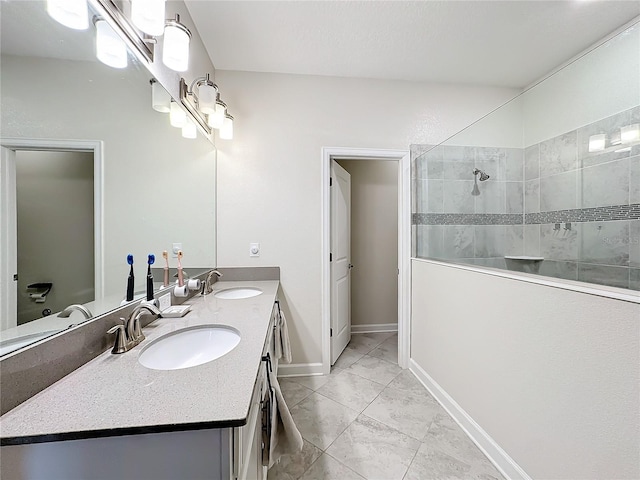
{"x":38,"y":291}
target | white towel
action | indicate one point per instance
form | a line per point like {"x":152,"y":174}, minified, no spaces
{"x":285,"y":436}
{"x":282,"y":344}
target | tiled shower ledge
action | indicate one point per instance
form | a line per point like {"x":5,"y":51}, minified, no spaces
{"x":600,"y":290}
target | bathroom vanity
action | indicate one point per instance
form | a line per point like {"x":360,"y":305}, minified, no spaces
{"x":115,"y":418}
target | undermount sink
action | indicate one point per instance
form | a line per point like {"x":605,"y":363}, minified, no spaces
{"x":189,"y":347}
{"x":237,"y":293}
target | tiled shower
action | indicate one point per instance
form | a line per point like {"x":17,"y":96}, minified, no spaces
{"x":577,"y":209}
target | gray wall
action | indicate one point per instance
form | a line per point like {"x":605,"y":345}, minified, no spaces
{"x":54,"y":193}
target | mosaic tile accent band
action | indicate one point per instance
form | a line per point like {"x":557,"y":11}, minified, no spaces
{"x":596,"y":214}
{"x":467,"y":219}
{"x":577,"y":215}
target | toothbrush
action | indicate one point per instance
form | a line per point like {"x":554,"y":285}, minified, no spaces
{"x":180,"y":277}
{"x":150,"y":260}
{"x":130,"y":280}
{"x":165,"y":280}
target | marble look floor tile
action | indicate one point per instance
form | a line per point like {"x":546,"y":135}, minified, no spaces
{"x":374,"y":450}
{"x":291,"y":467}
{"x":410,"y":413}
{"x":328,"y":468}
{"x":293,"y":392}
{"x":348,"y":357}
{"x":387,"y":350}
{"x":407,"y":382}
{"x":321,"y":420}
{"x":314,"y":382}
{"x":351,"y":390}
{"x":375,"y":369}
{"x":433,"y":464}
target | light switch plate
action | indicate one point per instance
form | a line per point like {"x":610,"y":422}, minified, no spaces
{"x":176,"y":248}
{"x":254,"y":249}
{"x":164,"y":301}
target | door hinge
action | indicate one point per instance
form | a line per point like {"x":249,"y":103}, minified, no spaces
{"x":331,"y":332}
{"x":15,"y":277}
{"x":331,"y":257}
{"x":330,"y":181}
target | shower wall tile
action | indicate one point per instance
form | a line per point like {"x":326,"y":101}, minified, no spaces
{"x":532,"y":240}
{"x":453,"y":153}
{"x":532,"y":196}
{"x":558,"y":154}
{"x":603,"y":275}
{"x":532,"y":162}
{"x":494,"y":262}
{"x":555,"y":269}
{"x":559,"y":244}
{"x":458,"y":241}
{"x":606,"y":184}
{"x":435,"y":169}
{"x":634,"y":179}
{"x":605,"y":243}
{"x":558,"y":192}
{"x":414,"y":240}
{"x":457,"y":196}
{"x":489,"y":241}
{"x":491,"y":198}
{"x":514,"y":197}
{"x":429,"y":196}
{"x":514,"y":161}
{"x":430,"y":241}
{"x":634,"y":278}
{"x":492,"y":161}
{"x":634,"y":243}
{"x":514,"y":240}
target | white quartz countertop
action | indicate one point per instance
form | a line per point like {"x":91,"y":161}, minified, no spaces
{"x":116,"y":395}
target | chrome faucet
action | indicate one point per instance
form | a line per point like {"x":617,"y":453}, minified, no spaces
{"x":66,"y":313}
{"x":129,"y":333}
{"x":207,"y":285}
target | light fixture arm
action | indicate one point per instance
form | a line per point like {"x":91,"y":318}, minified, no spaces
{"x":186,"y":96}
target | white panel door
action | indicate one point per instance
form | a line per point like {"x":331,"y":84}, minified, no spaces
{"x":8,"y":240}
{"x":340,"y":260}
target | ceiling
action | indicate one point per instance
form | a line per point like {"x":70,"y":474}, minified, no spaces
{"x":501,"y":43}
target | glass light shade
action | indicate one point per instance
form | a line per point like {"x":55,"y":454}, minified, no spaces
{"x":207,"y":96}
{"x":226,"y":131}
{"x":216,"y":119}
{"x":110,"y":48}
{"x":175,"y":47}
{"x":189,"y":129}
{"x":70,"y":13}
{"x":177,"y":116}
{"x":160,"y":98}
{"x":148,"y":16}
{"x":630,"y":133}
{"x":597,"y":142}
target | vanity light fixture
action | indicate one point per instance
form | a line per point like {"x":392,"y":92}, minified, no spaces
{"x":149,"y":16}
{"x":177,"y":116}
{"x":630,"y":133}
{"x":110,"y":48}
{"x":175,"y":47}
{"x":226,"y":131}
{"x":70,"y":13}
{"x":207,"y":94}
{"x":189,"y":130}
{"x":216,"y":119}
{"x":597,"y":142}
{"x":160,"y":98}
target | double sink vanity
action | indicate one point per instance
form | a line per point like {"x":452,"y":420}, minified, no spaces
{"x":184,"y":403}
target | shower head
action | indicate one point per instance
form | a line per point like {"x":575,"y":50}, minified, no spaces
{"x":483,"y":176}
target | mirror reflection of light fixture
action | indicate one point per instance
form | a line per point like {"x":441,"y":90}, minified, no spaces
{"x":148,"y":16}
{"x":597,"y":142}
{"x":175,"y":46}
{"x":189,"y":129}
{"x":70,"y":13}
{"x":110,"y":48}
{"x":216,"y":119}
{"x":160,"y":98}
{"x":226,"y":131}
{"x":177,"y":116}
{"x":630,"y":133}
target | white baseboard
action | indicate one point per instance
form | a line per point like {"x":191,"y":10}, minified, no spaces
{"x":374,"y":328}
{"x":503,"y":462}
{"x":299,"y":369}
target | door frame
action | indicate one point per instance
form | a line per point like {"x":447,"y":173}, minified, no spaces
{"x":8,"y":201}
{"x":404,"y":244}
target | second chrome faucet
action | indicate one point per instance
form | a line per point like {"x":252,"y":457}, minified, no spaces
{"x":129,"y":334}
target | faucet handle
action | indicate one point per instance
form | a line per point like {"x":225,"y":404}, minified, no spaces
{"x":138,"y":336}
{"x":120,"y":344}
